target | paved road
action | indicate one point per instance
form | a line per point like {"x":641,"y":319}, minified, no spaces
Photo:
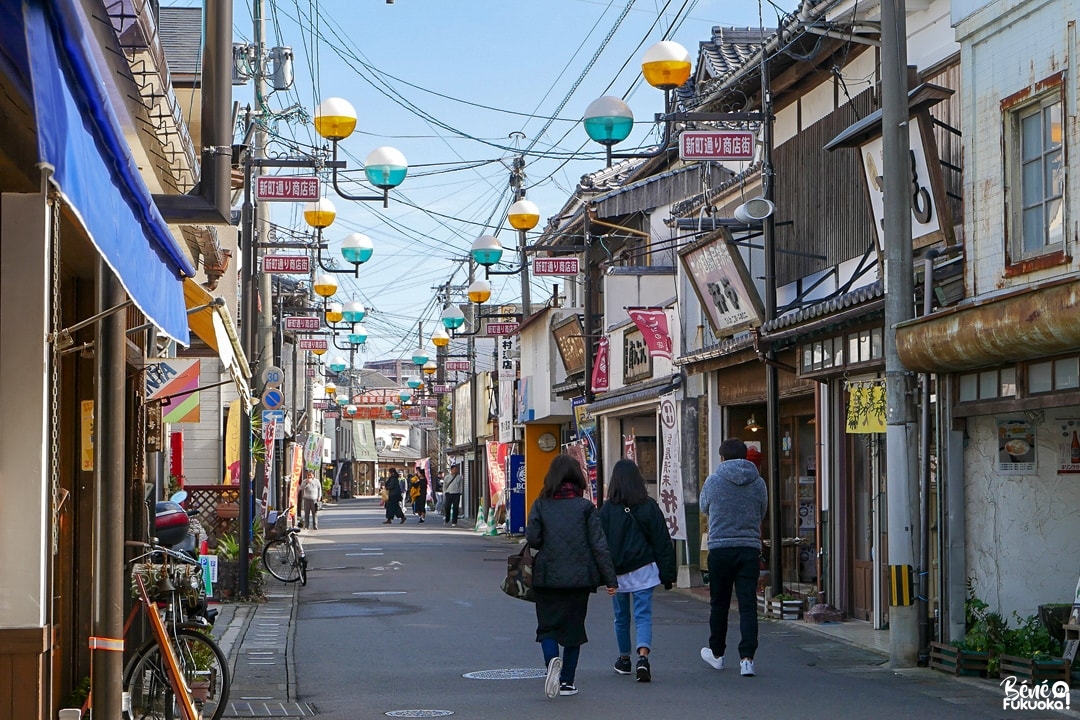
{"x":407,"y":621}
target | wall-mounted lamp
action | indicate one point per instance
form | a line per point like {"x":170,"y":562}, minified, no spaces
{"x":754,"y":210}
{"x":752,"y":425}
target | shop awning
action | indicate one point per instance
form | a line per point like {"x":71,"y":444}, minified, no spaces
{"x":210,"y":320}
{"x":80,"y":137}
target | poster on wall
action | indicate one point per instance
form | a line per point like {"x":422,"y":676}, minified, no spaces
{"x":629,"y":443}
{"x":1068,"y":445}
{"x":496,"y":466}
{"x":1016,"y":447}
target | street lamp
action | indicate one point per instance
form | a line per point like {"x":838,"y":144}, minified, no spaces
{"x":487,"y":250}
{"x":333,"y":314}
{"x":440,"y":338}
{"x":414,"y":382}
{"x":479,"y":291}
{"x":430,"y":368}
{"x":353,"y":311}
{"x":324,"y":286}
{"x":608,"y":120}
{"x":385,"y":167}
{"x":337,"y":365}
{"x":452,"y":318}
{"x":359,"y":335}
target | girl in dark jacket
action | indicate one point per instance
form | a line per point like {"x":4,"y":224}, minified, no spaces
{"x":644,"y":557}
{"x":393,"y":497}
{"x":572,"y":560}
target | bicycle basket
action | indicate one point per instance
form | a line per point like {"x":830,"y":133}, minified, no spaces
{"x":185,"y":580}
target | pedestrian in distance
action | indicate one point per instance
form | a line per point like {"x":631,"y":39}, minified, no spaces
{"x":735,"y":500}
{"x":572,"y":560}
{"x":644,"y":557}
{"x":452,"y":498}
{"x":310,"y":492}
{"x":418,"y":494}
{"x":393,"y":497}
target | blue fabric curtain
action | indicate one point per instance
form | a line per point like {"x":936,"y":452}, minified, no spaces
{"x":79,"y":135}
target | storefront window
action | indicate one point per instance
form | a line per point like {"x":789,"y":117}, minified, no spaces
{"x":1054,"y":375}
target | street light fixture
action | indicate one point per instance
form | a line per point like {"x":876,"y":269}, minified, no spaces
{"x":487,"y":250}
{"x":452,"y":318}
{"x":337,"y":365}
{"x":359,"y":334}
{"x":333,"y":314}
{"x":430,"y":368}
{"x":385,"y":168}
{"x":440,"y":338}
{"x":353,"y":311}
{"x":479,"y":292}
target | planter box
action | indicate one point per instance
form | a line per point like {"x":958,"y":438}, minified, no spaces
{"x":1034,"y":670}
{"x":784,"y":609}
{"x":227,"y":511}
{"x":957,"y":661}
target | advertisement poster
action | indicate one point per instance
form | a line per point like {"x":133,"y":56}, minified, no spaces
{"x":586,"y":431}
{"x":174,"y":382}
{"x":629,"y":444}
{"x":1016,"y":447}
{"x":1068,"y":444}
{"x":671,"y":490}
{"x":232,"y":444}
{"x":87,"y":426}
{"x":496,"y":467}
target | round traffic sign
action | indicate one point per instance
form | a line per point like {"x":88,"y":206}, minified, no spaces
{"x":273,"y":399}
{"x":273,"y":376}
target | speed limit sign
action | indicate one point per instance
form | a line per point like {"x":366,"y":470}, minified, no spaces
{"x":273,"y":376}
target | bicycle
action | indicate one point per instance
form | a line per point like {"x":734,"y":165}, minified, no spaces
{"x":180,"y":673}
{"x":283,"y":555}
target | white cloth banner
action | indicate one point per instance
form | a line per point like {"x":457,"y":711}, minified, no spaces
{"x":671,"y":489}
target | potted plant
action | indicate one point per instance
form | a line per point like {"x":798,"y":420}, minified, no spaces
{"x":786,"y":606}
{"x":228,"y":555}
{"x":1031,"y":653}
{"x":984,"y":640}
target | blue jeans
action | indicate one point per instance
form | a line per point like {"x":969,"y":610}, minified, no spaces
{"x":738,"y":567}
{"x":642,"y":601}
{"x":570,"y":656}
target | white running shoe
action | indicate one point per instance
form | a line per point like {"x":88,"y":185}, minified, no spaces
{"x":551,"y":682}
{"x":746,"y":667}
{"x":717,"y":663}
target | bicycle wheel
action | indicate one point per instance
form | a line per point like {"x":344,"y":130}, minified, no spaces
{"x":281,"y":560}
{"x":205,"y":669}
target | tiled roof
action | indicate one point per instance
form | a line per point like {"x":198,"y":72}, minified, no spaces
{"x":873,"y":291}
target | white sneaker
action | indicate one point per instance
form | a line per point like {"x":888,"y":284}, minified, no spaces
{"x":746,"y":668}
{"x":551,"y":682}
{"x":717,"y":663}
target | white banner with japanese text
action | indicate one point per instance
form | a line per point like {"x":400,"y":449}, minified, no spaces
{"x":671,"y":489}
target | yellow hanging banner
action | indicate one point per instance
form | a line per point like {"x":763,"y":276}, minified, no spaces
{"x":866,"y":408}
{"x":232,"y":444}
{"x":87,"y":426}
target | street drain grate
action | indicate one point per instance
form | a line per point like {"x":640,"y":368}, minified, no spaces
{"x":507,"y":674}
{"x":419,"y":713}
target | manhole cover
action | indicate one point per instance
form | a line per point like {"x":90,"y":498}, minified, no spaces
{"x":419,"y":713}
{"x":507,"y":674}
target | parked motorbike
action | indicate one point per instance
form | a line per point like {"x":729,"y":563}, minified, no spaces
{"x":180,"y":530}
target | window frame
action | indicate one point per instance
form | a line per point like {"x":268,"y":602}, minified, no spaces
{"x":1015,"y":110}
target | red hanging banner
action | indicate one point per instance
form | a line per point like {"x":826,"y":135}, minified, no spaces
{"x":652,"y":322}
{"x":600,"y":367}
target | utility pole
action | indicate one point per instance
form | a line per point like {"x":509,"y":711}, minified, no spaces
{"x":266,"y":356}
{"x":901,"y":489}
{"x":772,"y":377}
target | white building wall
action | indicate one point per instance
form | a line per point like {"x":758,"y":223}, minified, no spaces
{"x":1022,"y":530}
{"x":541,"y":368}
{"x":999,"y":60}
{"x":24,"y":395}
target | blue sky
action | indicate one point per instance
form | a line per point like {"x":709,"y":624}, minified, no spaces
{"x":461,"y":87}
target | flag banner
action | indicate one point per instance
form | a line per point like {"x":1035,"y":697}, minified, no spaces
{"x":630,"y":447}
{"x":671,"y":490}
{"x":600,"y":367}
{"x":652,"y":322}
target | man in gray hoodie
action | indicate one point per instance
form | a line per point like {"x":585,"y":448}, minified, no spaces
{"x":735,"y":499}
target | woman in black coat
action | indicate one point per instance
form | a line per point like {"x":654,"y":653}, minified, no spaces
{"x":393,"y":497}
{"x":644,"y":557}
{"x":572,"y":560}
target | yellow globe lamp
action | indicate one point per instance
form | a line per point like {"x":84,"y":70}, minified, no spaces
{"x":319,"y":351}
{"x":320,"y":214}
{"x":334,"y":313}
{"x":430,"y":368}
{"x":440,"y":338}
{"x":331,"y":389}
{"x":325,"y":285}
{"x":666,"y":65}
{"x":523,"y":215}
{"x":479,"y":292}
{"x":335,"y":118}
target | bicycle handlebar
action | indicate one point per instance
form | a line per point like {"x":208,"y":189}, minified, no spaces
{"x":152,"y":548}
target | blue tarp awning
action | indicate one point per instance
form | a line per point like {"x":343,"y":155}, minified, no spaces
{"x":81,"y":138}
